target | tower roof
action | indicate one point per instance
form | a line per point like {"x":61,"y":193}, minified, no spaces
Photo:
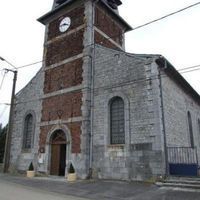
{"x":111,"y":5}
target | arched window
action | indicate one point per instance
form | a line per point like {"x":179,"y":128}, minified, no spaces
{"x":28,"y":131}
{"x":117,"y":129}
{"x":190,"y":129}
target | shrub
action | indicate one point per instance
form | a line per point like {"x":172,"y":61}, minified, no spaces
{"x":71,"y":169}
{"x":31,"y":168}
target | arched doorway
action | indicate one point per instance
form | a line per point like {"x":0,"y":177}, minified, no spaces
{"x":58,"y":153}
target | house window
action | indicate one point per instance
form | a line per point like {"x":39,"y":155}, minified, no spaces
{"x":190,"y":130}
{"x":117,"y":132}
{"x":28,"y":131}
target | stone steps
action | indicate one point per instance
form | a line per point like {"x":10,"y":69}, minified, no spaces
{"x":180,"y":182}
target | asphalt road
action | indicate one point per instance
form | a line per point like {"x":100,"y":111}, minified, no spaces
{"x":52,"y":188}
{"x":10,"y":191}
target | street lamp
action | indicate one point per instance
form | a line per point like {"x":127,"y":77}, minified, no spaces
{"x":10,"y":122}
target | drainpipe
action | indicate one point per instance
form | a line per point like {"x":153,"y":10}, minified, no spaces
{"x":163,"y":120}
{"x":92,"y":93}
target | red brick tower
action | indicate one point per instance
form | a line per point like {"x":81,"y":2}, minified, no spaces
{"x":72,"y":29}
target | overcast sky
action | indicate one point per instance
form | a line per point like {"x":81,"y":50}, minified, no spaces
{"x":177,"y":37}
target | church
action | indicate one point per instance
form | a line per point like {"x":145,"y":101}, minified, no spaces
{"x":109,"y":113}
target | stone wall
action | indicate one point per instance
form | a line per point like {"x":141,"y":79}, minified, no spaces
{"x":27,"y":100}
{"x":126,"y":75}
{"x":177,"y":103}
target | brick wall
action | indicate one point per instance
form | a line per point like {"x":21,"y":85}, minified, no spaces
{"x":64,"y":48}
{"x":64,"y":76}
{"x":99,"y":39}
{"x":105,"y":22}
{"x":75,"y":130}
{"x":77,"y":19}
{"x":63,"y":106}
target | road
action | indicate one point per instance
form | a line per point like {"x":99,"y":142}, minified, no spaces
{"x":11,"y":191}
{"x":56,"y":188}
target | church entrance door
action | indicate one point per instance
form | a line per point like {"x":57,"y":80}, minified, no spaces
{"x":58,"y":153}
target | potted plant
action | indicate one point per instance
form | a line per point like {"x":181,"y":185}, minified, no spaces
{"x":71,"y":174}
{"x":30,"y":172}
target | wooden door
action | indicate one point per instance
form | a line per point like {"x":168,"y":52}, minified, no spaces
{"x":55,"y":159}
{"x":58,"y":153}
{"x":62,"y":160}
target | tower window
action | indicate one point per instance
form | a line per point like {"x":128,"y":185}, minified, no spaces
{"x":28,"y":131}
{"x":117,"y":132}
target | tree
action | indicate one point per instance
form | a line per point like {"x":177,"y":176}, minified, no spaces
{"x":3,"y":132}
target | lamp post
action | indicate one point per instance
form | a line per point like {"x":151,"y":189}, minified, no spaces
{"x":10,"y":122}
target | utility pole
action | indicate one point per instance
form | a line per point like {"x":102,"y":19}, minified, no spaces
{"x":10,"y":124}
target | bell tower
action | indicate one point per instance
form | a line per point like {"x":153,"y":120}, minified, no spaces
{"x":73,"y":27}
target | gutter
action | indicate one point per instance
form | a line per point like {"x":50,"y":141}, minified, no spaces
{"x":163,"y":123}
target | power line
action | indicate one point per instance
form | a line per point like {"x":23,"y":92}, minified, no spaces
{"x":168,"y":15}
{"x":148,"y":23}
{"x":3,"y":111}
{"x":138,"y":80}
{"x":182,"y":69}
{"x":134,"y":81}
{"x":137,"y":27}
{"x":192,"y":70}
{"x":3,"y":79}
{"x":28,"y":65}
{"x":195,"y":66}
{"x":8,"y":104}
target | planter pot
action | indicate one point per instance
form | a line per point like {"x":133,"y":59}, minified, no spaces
{"x":71,"y":177}
{"x":30,"y":174}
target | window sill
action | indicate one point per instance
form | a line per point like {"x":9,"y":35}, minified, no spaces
{"x":116,"y":146}
{"x":26,"y":150}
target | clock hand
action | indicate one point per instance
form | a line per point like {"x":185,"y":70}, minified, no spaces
{"x":64,"y":24}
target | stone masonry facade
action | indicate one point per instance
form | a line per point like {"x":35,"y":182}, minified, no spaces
{"x":83,"y":70}
{"x":28,"y":100}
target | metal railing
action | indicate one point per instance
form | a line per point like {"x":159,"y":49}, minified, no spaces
{"x":182,"y":155}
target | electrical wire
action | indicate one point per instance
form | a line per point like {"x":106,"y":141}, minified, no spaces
{"x":3,"y":111}
{"x":140,"y":26}
{"x":134,"y":81}
{"x":195,"y":66}
{"x":3,"y":79}
{"x":28,"y":65}
{"x":168,"y":15}
{"x":192,"y":70}
{"x":135,"y":28}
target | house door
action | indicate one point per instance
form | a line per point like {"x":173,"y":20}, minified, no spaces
{"x":58,"y":153}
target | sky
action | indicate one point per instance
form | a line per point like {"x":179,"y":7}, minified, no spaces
{"x":176,"y":38}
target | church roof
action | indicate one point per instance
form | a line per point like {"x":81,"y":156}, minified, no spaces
{"x":44,"y":19}
{"x":169,"y":69}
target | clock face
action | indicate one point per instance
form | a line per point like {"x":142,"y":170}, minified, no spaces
{"x":65,"y":24}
